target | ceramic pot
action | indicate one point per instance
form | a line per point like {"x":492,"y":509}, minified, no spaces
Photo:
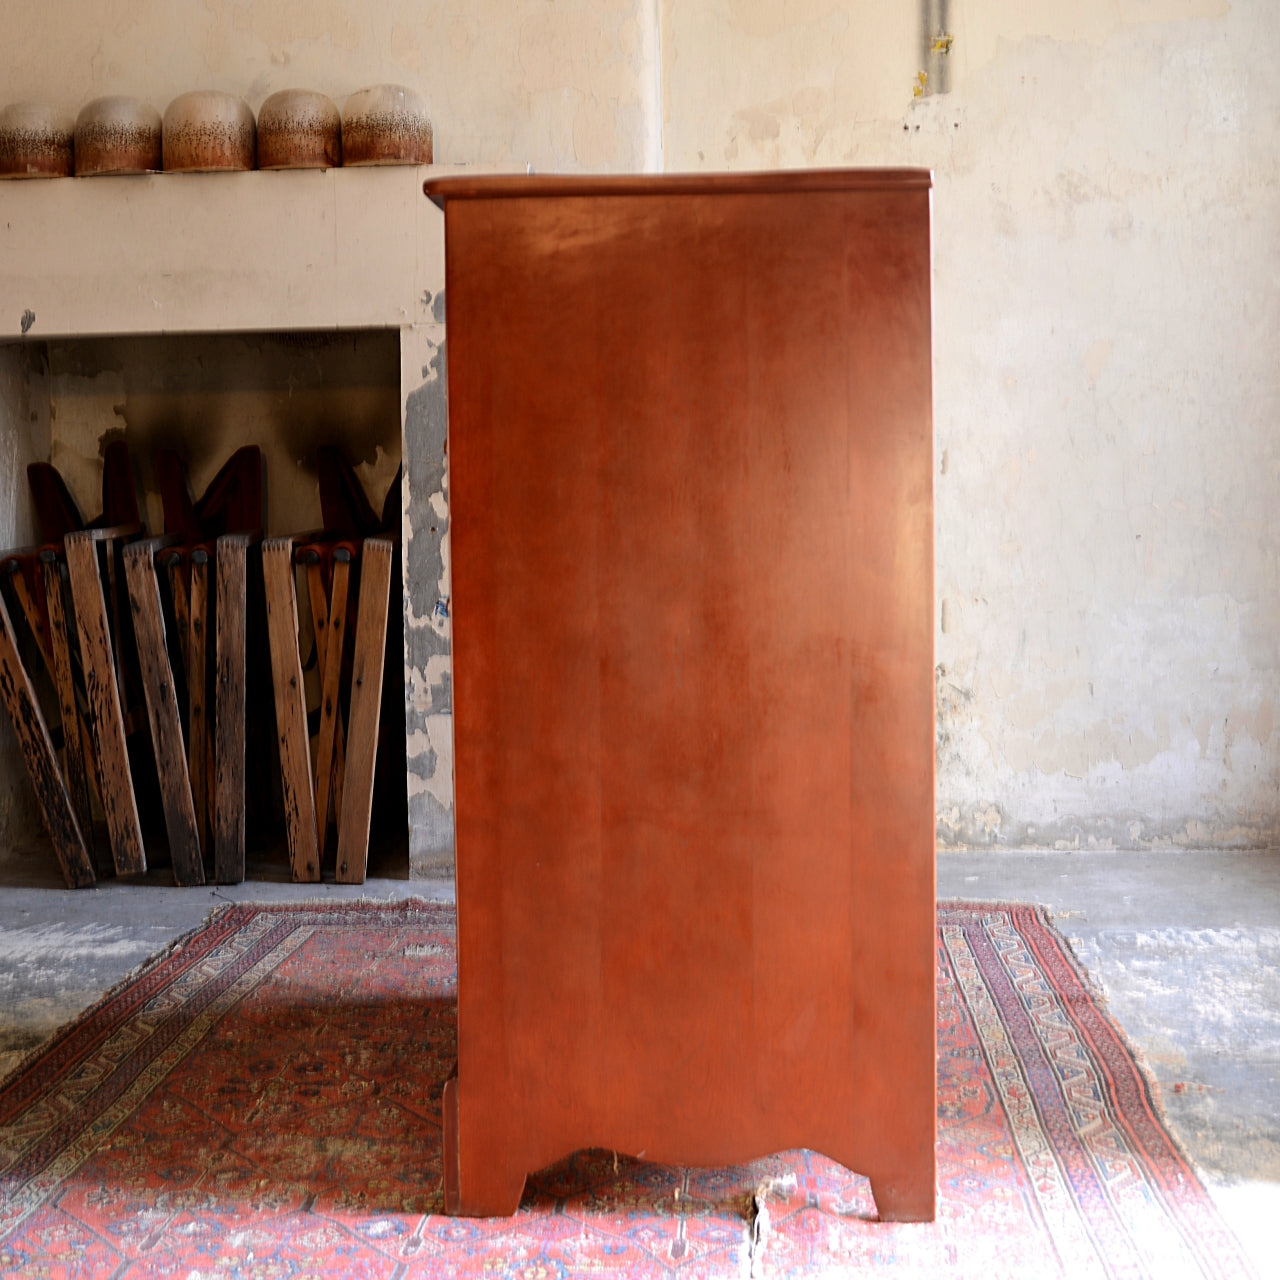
{"x":36,"y":141}
{"x":299,"y":129}
{"x":118,"y":135}
{"x":208,"y":132}
{"x":386,"y":124}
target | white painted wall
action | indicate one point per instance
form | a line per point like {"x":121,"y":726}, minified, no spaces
{"x":1107,"y":389}
{"x":1106,"y":310}
{"x":507,"y":82}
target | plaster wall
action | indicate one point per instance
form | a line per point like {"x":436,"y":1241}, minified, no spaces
{"x":185,"y":265}
{"x":207,"y":395}
{"x":1106,"y":202}
{"x":507,"y":82}
{"x":1106,"y":389}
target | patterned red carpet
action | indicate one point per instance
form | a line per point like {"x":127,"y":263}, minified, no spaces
{"x":263,"y":1102}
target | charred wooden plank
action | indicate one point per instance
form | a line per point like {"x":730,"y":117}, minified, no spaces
{"x":73,"y":740}
{"x":173,"y":561}
{"x":42,"y":762}
{"x":291,"y":709}
{"x":228,"y":709}
{"x":330,"y":711}
{"x":162,"y":710}
{"x":30,"y":611}
{"x":366,"y":705}
{"x":197,"y":694}
{"x":319,"y":600}
{"x":119,"y":804}
{"x":317,"y":595}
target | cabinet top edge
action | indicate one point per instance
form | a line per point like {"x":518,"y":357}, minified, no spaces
{"x":780,"y":182}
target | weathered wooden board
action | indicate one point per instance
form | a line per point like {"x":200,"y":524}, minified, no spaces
{"x":73,"y":736}
{"x":366,"y":706}
{"x":41,"y":760}
{"x":331,"y":672}
{"x":98,"y":659}
{"x":163,"y":714}
{"x":229,"y":710}
{"x":198,"y":755}
{"x":366,"y":699}
{"x":291,"y":709}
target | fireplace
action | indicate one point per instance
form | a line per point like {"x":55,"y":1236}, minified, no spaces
{"x":202,"y":312}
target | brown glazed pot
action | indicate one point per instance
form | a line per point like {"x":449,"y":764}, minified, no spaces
{"x":207,"y":132}
{"x":36,"y":141}
{"x":299,"y":129}
{"x":386,"y":124}
{"x":118,"y":135}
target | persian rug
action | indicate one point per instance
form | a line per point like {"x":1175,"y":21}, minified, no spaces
{"x":263,"y":1101}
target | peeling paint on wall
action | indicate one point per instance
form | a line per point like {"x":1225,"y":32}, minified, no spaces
{"x":428,"y":669}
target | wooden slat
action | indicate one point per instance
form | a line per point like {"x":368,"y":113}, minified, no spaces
{"x":319,"y":611}
{"x":113,"y":604}
{"x":339,"y":771}
{"x":320,"y":627}
{"x":162,"y":711}
{"x":366,"y":704}
{"x":291,"y":709}
{"x":228,"y":710}
{"x":173,"y":567}
{"x":73,"y":741}
{"x":119,"y":804}
{"x":197,"y":692}
{"x":42,"y":762}
{"x":329,"y":710}
{"x":29,"y":611}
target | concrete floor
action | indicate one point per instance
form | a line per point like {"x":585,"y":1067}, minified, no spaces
{"x":1186,"y":948}
{"x":1185,"y":945}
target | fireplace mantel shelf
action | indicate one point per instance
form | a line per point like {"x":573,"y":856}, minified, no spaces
{"x":207,"y":253}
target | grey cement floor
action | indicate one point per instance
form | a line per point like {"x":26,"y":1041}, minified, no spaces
{"x":1186,"y":948}
{"x":1184,"y":945}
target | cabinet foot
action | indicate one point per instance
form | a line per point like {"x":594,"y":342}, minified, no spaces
{"x":490,"y":1190}
{"x":905,"y":1196}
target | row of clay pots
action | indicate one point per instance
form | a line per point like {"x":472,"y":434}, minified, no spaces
{"x":208,"y":131}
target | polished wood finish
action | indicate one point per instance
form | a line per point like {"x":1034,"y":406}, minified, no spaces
{"x":32,"y":734}
{"x":163,"y":714}
{"x":692,"y":542}
{"x":544,"y":186}
{"x":232,"y":566}
{"x":366,"y":706}
{"x":291,"y":709}
{"x":100,"y":662}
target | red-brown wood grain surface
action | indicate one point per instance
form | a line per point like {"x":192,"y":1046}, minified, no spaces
{"x":691,"y":460}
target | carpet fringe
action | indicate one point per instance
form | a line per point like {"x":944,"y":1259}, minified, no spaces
{"x":759,"y":1225}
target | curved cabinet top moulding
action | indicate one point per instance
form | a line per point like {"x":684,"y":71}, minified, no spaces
{"x":440,"y":189}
